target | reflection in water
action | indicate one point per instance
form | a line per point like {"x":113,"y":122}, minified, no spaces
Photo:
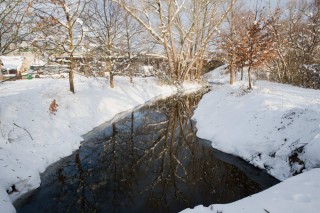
{"x":149,"y":161}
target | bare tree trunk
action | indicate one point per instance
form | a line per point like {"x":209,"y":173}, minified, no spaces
{"x":176,"y":62}
{"x":241,"y":73}
{"x":71,"y":74}
{"x":165,"y":42}
{"x":249,"y":77}
{"x":199,"y":70}
{"x":232,"y":59}
{"x":232,"y":73}
{"x":131,"y":76}
{"x":128,"y":45}
{"x":71,"y":49}
{"x":111,"y":80}
{"x":279,"y":76}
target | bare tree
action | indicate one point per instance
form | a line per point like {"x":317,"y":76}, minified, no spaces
{"x":15,"y":20}
{"x":183,"y":28}
{"x":117,"y":37}
{"x":103,"y":20}
{"x":298,"y":43}
{"x":230,"y":38}
{"x":61,"y":28}
{"x":136,"y":42}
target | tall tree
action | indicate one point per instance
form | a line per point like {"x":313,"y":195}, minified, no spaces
{"x":117,"y":37}
{"x":258,"y":46}
{"x":183,"y":28}
{"x":230,"y":37}
{"x":61,"y":27}
{"x":249,"y":42}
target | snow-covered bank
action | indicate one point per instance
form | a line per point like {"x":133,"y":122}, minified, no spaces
{"x":275,"y":127}
{"x":295,"y":195}
{"x":32,"y":137}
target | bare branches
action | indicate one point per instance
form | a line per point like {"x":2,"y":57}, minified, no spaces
{"x":298,"y":45}
{"x":183,"y":28}
{"x":14,"y":24}
{"x":61,"y":18}
{"x":24,"y":130}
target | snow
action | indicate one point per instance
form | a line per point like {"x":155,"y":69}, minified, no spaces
{"x":275,"y":127}
{"x":12,"y":62}
{"x":5,"y":203}
{"x":146,"y":70}
{"x":295,"y":195}
{"x":31,"y":138}
{"x":264,"y":126}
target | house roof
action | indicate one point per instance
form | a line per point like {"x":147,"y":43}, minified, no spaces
{"x":12,"y":62}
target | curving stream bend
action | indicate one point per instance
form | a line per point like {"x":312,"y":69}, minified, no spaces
{"x":148,"y":161}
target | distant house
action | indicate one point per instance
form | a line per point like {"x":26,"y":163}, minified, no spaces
{"x":14,"y":66}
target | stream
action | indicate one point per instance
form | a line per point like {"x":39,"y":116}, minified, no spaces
{"x":150,"y":160}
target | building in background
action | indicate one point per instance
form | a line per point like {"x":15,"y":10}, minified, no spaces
{"x":13,"y":66}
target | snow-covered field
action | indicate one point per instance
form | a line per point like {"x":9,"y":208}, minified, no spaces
{"x":275,"y":127}
{"x":31,"y":138}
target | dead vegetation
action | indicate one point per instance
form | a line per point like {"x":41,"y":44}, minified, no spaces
{"x":53,"y":107}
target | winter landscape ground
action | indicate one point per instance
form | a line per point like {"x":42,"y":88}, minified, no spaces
{"x":32,"y":138}
{"x":275,"y":127}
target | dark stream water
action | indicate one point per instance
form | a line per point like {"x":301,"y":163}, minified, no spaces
{"x":148,"y":161}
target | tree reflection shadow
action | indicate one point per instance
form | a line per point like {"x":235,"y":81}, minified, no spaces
{"x":149,"y":161}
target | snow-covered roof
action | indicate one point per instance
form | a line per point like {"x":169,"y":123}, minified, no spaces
{"x":12,"y":62}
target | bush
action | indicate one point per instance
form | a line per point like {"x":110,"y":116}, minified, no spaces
{"x":53,"y":107}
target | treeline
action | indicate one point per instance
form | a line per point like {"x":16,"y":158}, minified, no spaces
{"x":282,"y":42}
{"x":182,"y":30}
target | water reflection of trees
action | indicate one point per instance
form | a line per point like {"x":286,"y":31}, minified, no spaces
{"x":151,"y":161}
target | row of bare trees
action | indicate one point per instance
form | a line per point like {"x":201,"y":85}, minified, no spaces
{"x":298,"y":45}
{"x":94,"y":29}
{"x":284,"y":42}
{"x":182,"y":29}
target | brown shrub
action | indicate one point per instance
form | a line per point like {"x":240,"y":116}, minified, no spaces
{"x":53,"y":107}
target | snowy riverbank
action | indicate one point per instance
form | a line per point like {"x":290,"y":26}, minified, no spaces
{"x":32,"y":138}
{"x":275,"y":127}
{"x":294,"y":195}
